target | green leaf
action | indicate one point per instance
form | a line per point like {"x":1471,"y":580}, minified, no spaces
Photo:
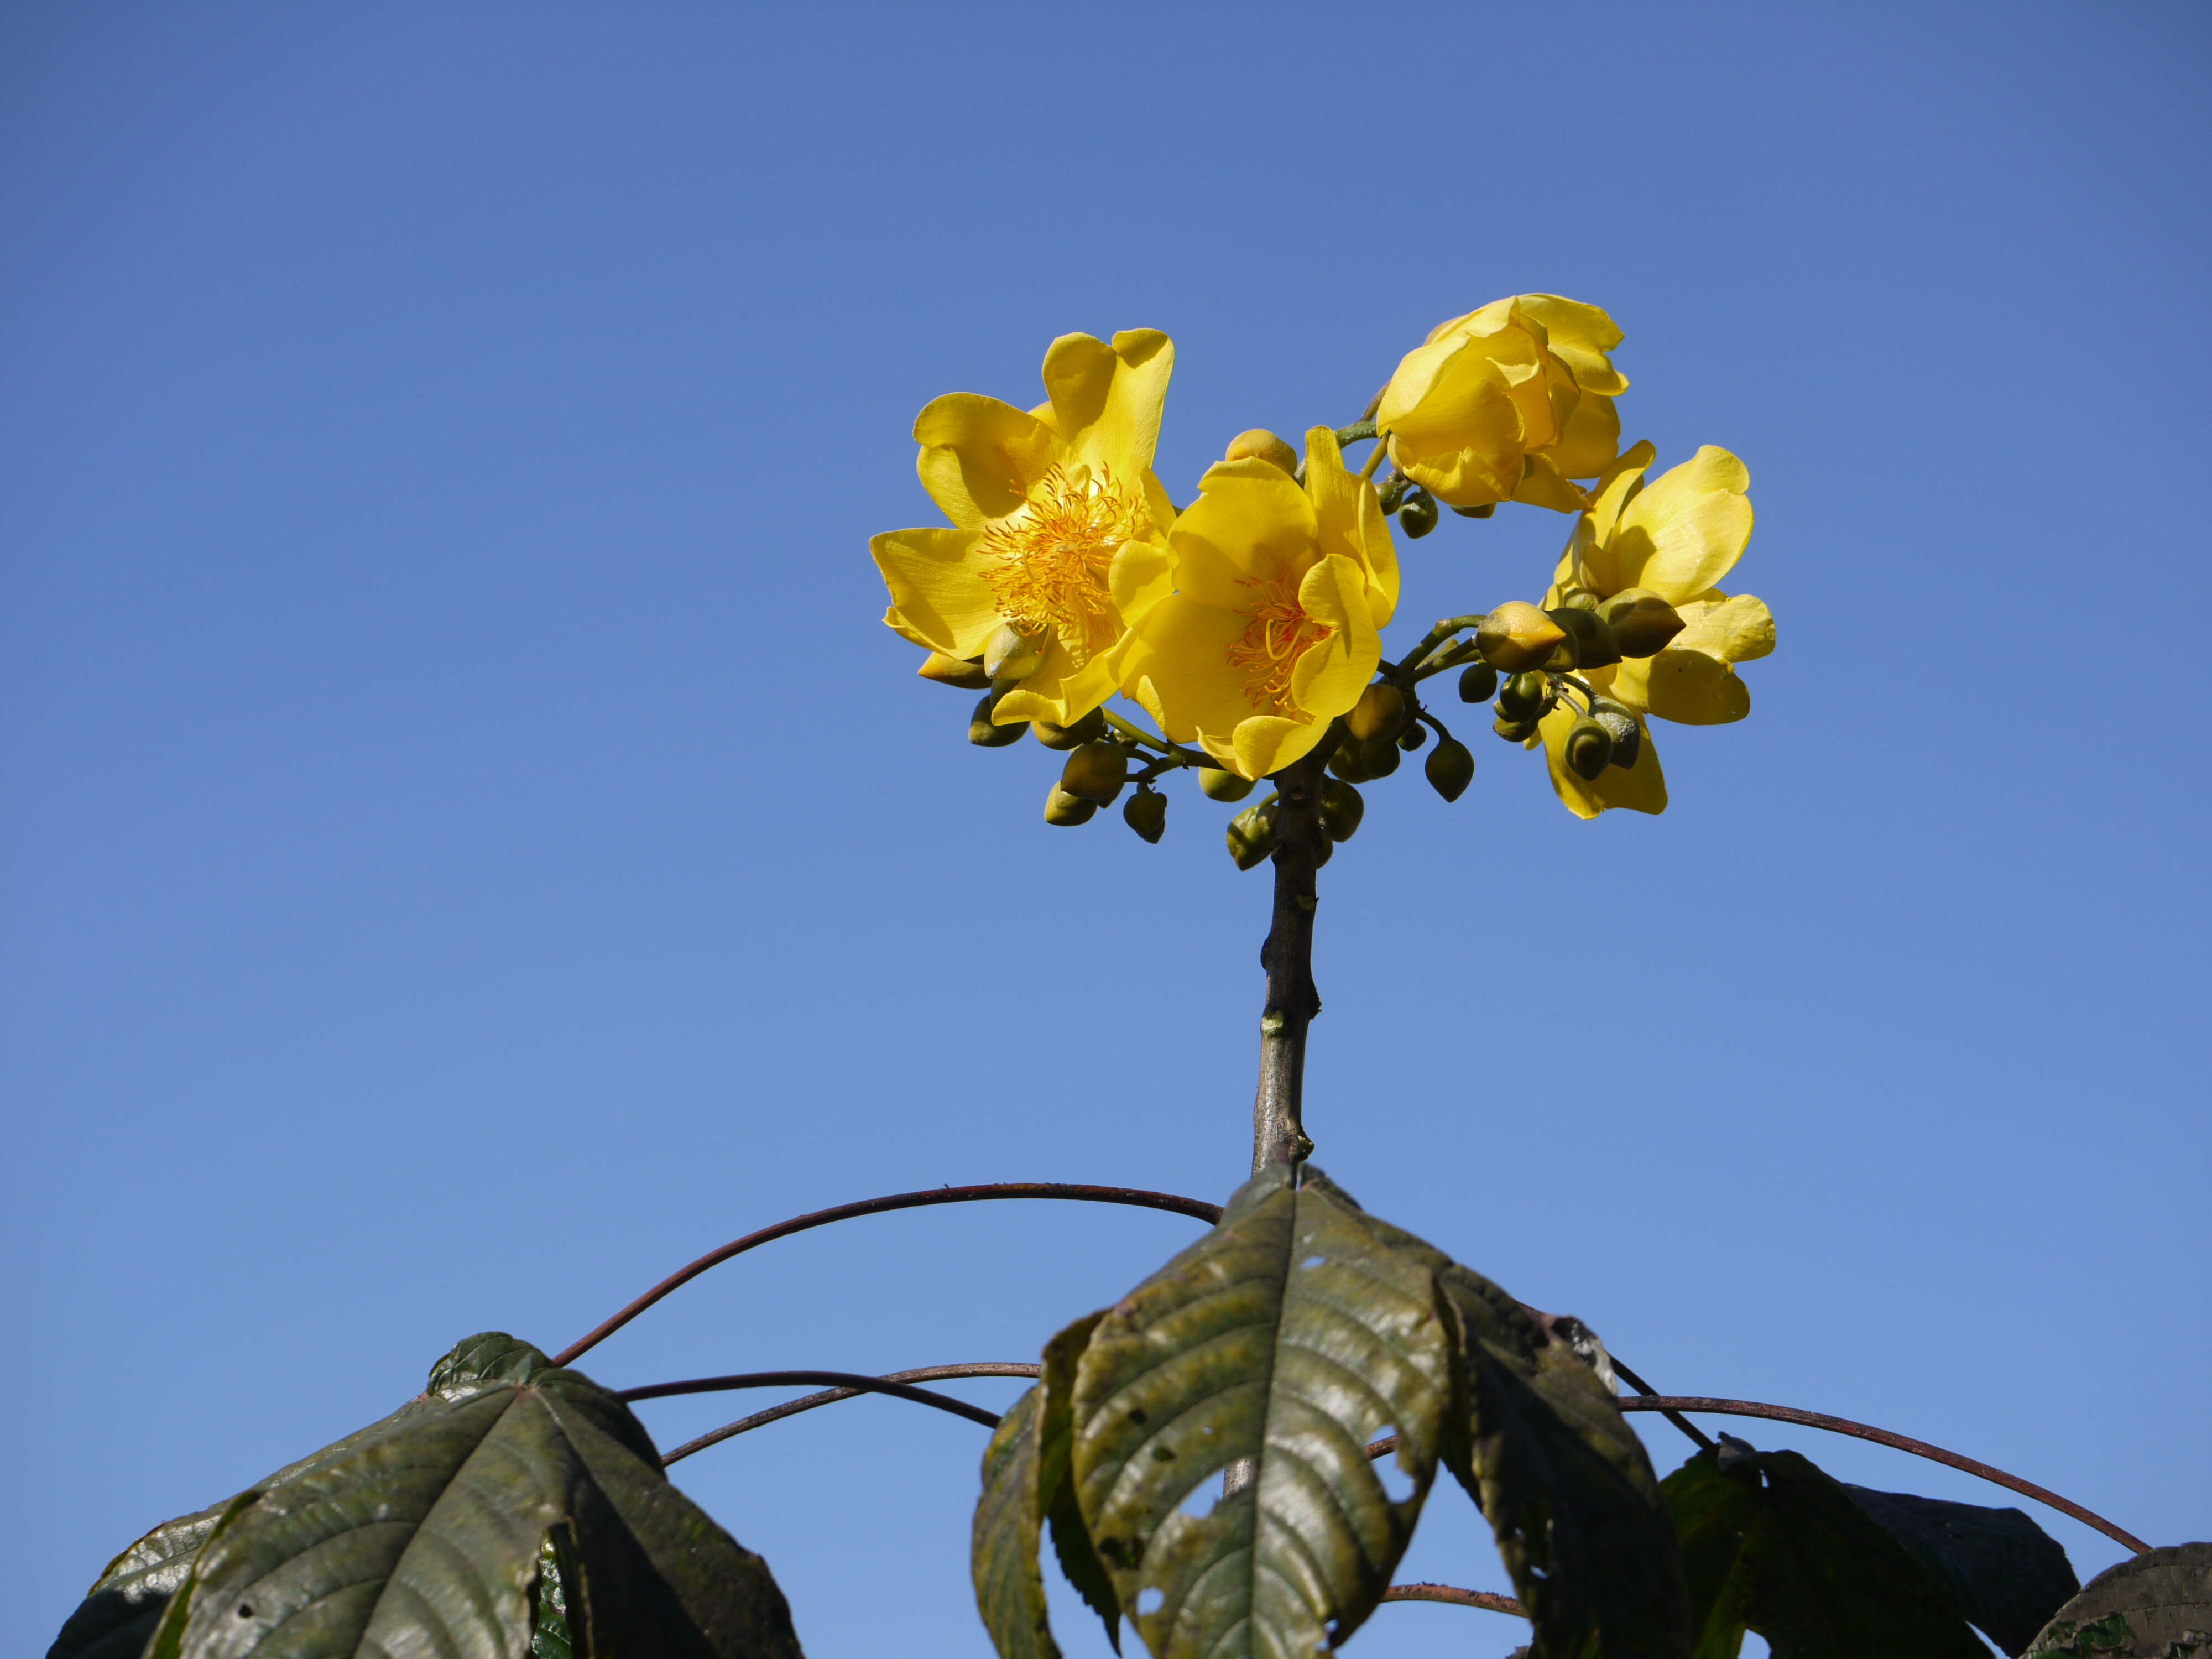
{"x":2003,"y":1572}
{"x":1772,"y":1545}
{"x":1283,"y":1341}
{"x":548,"y":1633}
{"x":2155,"y":1606}
{"x":1070,"y":1537}
{"x":1569,"y":1491}
{"x":423,"y":1533}
{"x":1003,"y":1543}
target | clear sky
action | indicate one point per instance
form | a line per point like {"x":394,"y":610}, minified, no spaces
{"x":471,"y":847}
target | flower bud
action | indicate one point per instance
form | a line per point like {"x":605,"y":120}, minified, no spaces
{"x":1482,"y":511}
{"x":1575,"y":597}
{"x":1345,"y":761}
{"x":1621,"y":725}
{"x":1252,"y":834}
{"x":1641,"y":621}
{"x":1517,"y":636}
{"x":1413,"y":736}
{"x":1068,"y":811}
{"x":1261,"y":444}
{"x":1593,"y":641}
{"x":1378,"y":756}
{"x":1096,"y":771}
{"x":984,"y":735}
{"x":1588,"y":749}
{"x":1451,"y":769}
{"x":1147,"y":812}
{"x":1418,"y":516}
{"x":951,"y":671}
{"x":1089,"y":729}
{"x":1380,"y":712}
{"x":1011,"y":653}
{"x":1514,"y":730}
{"x":1524,"y":696}
{"x":1223,"y":786}
{"x":1341,"y":808}
{"x":1478,"y":683}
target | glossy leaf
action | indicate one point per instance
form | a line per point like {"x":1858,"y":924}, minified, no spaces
{"x":1003,"y":1542}
{"x":1770,"y":1544}
{"x":1565,"y":1482}
{"x":2156,"y":1605}
{"x":423,"y":1533}
{"x":1071,"y":1536}
{"x":2003,"y":1571}
{"x":1282,"y":1342}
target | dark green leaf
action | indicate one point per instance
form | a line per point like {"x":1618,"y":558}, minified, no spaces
{"x":2156,"y":1605}
{"x":549,"y":1633}
{"x":1070,"y":1537}
{"x":1282,"y":1341}
{"x":1771,"y":1544}
{"x":1003,"y":1544}
{"x":1565,"y":1482}
{"x":423,"y":1534}
{"x":2004,"y":1572}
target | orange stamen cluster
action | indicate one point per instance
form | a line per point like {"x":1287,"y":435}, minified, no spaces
{"x":1048,"y":561}
{"x":1277,"y":633}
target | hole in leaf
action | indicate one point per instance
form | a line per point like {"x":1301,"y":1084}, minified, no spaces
{"x":1197,"y":1502}
{"x":1313,"y":1261}
{"x":1163,"y":1454}
{"x":1149,"y":1601}
{"x":244,"y":1610}
{"x":1397,"y":1485}
{"x":1136,"y":1414}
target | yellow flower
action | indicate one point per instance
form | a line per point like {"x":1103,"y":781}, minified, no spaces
{"x":1272,"y":630}
{"x":1676,"y":538}
{"x":1058,"y":524}
{"x":1509,"y":402}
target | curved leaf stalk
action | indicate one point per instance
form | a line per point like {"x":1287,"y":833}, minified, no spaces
{"x":1278,"y":1135}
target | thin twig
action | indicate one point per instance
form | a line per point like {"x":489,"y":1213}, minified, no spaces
{"x":830,"y":1396}
{"x":1672,"y":1403}
{"x":1197,"y":1209}
{"x":1456,"y":1596}
{"x":853,"y":1381}
{"x":1705,"y":1442}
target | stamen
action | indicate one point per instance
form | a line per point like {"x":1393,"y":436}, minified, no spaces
{"x":1051,"y":557}
{"x":1277,"y":633}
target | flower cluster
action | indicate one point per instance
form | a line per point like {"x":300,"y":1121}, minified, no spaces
{"x":1248,"y":625}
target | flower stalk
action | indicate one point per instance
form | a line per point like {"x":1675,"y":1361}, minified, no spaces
{"x":1278,"y":1135}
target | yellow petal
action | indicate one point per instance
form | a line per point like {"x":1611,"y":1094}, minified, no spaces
{"x":1328,"y":678}
{"x":1176,"y":665}
{"x":1687,"y":528}
{"x":937,"y":588}
{"x":1058,"y":691}
{"x":1693,"y":689}
{"x":979,"y":455}
{"x":1348,"y":521}
{"x":1639,"y":789}
{"x":1249,"y":523}
{"x":1106,"y":399}
{"x":1141,"y":575}
{"x":1264,"y":743}
{"x":1590,"y":438}
{"x":1542,"y":485}
{"x":1458,"y":411}
{"x":900,"y":626}
{"x":1739,"y":629}
{"x":1580,"y":335}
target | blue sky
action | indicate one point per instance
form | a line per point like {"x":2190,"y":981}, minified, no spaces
{"x":471,"y":847}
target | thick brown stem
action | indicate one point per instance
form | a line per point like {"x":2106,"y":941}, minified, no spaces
{"x":1278,"y":1135}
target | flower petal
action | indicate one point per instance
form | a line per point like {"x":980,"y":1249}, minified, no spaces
{"x":1176,"y":663}
{"x":1542,"y":484}
{"x":1687,"y":528}
{"x":1328,"y":677}
{"x":937,"y":587}
{"x":1058,"y":691}
{"x":1348,"y":520}
{"x":1249,"y":523}
{"x":1739,"y":629}
{"x":980,"y":457}
{"x":1266,"y":742}
{"x":1590,"y":438}
{"x":1106,"y":399}
{"x":1141,"y":575}
{"x":1580,"y":335}
{"x":1639,"y":789}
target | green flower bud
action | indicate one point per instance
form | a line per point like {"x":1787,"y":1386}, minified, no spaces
{"x":1516,"y":636}
{"x":951,"y":671}
{"x":1641,"y":621}
{"x":1068,"y":811}
{"x":1147,"y":812}
{"x":1345,"y":763}
{"x":1252,"y":834}
{"x":1621,"y":725}
{"x":1478,"y":683}
{"x":1451,"y":769}
{"x":1482,"y":511}
{"x":1524,"y":696}
{"x":1378,"y":756}
{"x":1593,"y":641}
{"x":1089,"y":729}
{"x":1418,"y":516}
{"x":1588,"y":749}
{"x":1413,"y":736}
{"x":1341,"y":808}
{"x":1096,"y":771}
{"x":1011,"y":653}
{"x":1514,"y":730}
{"x":1575,"y":597}
{"x":1380,"y":712}
{"x":984,"y":735}
{"x":1223,"y":786}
